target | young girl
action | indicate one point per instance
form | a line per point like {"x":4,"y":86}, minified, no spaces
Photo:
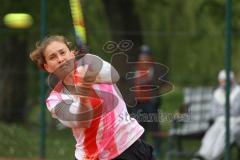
{"x":86,"y":100}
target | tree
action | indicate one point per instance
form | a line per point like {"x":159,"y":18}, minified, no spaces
{"x":15,"y":46}
{"x":13,"y":62}
{"x":124,"y":25}
{"x":13,"y":79}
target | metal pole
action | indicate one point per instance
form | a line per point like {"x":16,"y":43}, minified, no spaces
{"x":228,"y":53}
{"x":42,"y":86}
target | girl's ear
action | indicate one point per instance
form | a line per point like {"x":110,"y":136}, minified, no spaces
{"x":73,"y":54}
{"x":46,"y":68}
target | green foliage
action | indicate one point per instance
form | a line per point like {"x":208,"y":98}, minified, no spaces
{"x":188,"y":36}
{"x":23,"y":142}
{"x":97,"y":27}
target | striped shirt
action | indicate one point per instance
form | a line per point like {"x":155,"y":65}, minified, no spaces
{"x":109,"y":131}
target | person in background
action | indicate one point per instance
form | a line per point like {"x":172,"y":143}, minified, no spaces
{"x":213,"y":142}
{"x":148,"y":105}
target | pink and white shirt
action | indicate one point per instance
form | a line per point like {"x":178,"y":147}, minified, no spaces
{"x":108,"y":134}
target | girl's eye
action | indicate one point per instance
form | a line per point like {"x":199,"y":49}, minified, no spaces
{"x":62,"y":53}
{"x":52,"y":58}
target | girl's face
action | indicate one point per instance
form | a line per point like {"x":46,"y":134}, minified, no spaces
{"x":57,"y":54}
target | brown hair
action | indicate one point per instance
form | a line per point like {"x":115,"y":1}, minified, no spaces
{"x":37,"y":55}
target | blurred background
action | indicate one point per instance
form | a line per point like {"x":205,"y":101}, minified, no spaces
{"x":187,"y":36}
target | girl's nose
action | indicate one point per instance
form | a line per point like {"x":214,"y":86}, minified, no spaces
{"x":60,"y":59}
